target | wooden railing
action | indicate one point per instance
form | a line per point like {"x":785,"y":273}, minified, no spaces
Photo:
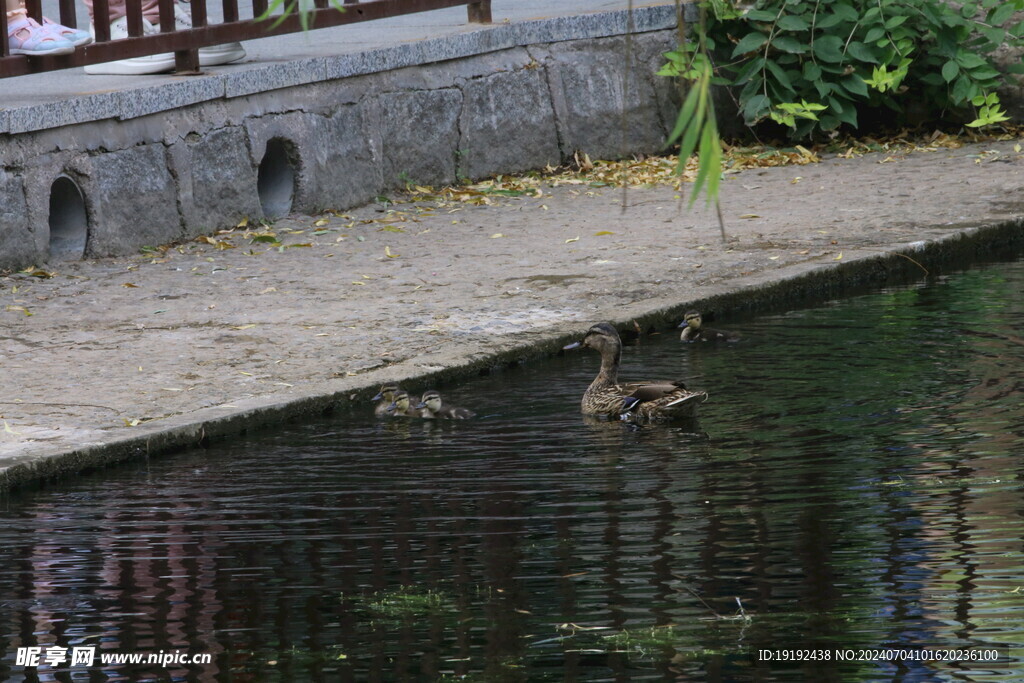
{"x":185,"y":44}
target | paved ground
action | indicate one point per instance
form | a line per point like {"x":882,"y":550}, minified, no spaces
{"x":108,"y":350}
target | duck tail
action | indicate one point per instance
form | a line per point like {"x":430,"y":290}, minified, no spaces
{"x":684,"y":406}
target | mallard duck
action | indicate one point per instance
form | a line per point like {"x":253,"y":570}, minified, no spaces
{"x":434,"y":408}
{"x":402,"y":406}
{"x":386,"y":396}
{"x":693,"y":330}
{"x":646,"y":400}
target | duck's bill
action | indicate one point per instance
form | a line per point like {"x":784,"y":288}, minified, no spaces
{"x":570,"y":347}
{"x":378,"y":397}
{"x":421,"y":404}
{"x":683,"y":324}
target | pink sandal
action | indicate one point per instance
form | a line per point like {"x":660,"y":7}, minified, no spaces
{"x":27,"y":37}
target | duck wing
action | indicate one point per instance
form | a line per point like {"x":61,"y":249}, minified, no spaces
{"x":650,"y":391}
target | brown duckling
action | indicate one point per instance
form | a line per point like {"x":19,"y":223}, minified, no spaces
{"x":694,"y":330}
{"x":402,"y":406}
{"x":386,"y":396}
{"x":433,"y":408}
{"x":648,"y":400}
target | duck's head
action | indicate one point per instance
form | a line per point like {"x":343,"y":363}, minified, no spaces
{"x":399,"y":402}
{"x":387,"y":393}
{"x":600,"y":337}
{"x":431,"y":401}
{"x":691,"y":319}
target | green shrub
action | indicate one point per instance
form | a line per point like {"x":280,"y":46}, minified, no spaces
{"x":814,"y":65}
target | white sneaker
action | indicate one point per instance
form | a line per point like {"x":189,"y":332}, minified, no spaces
{"x":208,"y":56}
{"x":136,"y":66}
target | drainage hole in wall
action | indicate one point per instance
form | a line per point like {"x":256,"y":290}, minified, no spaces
{"x":69,"y":224}
{"x":276,"y":182}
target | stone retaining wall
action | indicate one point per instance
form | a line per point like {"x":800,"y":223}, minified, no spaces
{"x":154,"y":176}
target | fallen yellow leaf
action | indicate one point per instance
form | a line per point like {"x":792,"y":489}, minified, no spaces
{"x":243,"y":327}
{"x":750,"y":215}
{"x":603,"y":232}
{"x":496,"y":235}
{"x":129,"y":284}
{"x":242,"y":223}
{"x":838,"y":257}
{"x":572,"y":239}
{"x":321,"y":222}
{"x":387,"y":252}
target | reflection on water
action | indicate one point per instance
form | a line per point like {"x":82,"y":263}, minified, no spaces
{"x":855,"y":482}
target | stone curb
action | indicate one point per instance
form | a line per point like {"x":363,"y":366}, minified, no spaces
{"x":800,"y":284}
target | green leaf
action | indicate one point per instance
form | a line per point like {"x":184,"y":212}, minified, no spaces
{"x":829,"y":48}
{"x":759,"y":15}
{"x":1017,"y":68}
{"x":788,"y":44}
{"x":963,"y":90}
{"x":790,"y":22}
{"x":969,"y":60}
{"x":848,"y":116}
{"x":829,"y":122}
{"x":893,"y":22}
{"x":780,"y":75}
{"x":685,"y":114}
{"x":754,"y":66}
{"x":855,"y":84}
{"x":984,"y":74}
{"x":999,"y":15}
{"x":829,"y":21}
{"x":755,"y":108}
{"x":994,"y":35}
{"x":950,"y":70}
{"x":862,"y":52}
{"x":847,"y":12}
{"x":812,"y":71}
{"x":749,"y":43}
{"x":874,"y":34}
{"x":708,"y":143}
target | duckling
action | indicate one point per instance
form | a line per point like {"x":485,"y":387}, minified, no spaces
{"x":694,"y":331}
{"x":386,"y":396}
{"x":402,"y":406}
{"x":646,"y":400}
{"x":433,"y":408}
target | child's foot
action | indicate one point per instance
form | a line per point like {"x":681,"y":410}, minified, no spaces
{"x":26,"y":37}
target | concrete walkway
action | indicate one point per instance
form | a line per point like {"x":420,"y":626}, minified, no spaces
{"x":114,"y":358}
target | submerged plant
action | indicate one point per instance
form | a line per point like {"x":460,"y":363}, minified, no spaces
{"x":404,"y":603}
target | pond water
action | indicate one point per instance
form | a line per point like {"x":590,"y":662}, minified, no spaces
{"x":855,"y":483}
